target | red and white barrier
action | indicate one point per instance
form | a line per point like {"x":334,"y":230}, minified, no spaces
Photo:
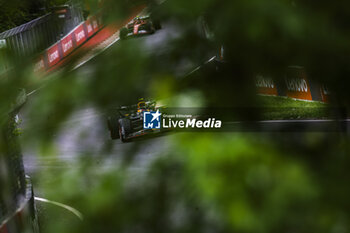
{"x":63,"y":48}
{"x":53,"y":55}
{"x":67,"y":45}
{"x":296,"y":85}
{"x":80,"y":35}
{"x":266,"y":86}
{"x":325,"y":93}
{"x":89,"y":27}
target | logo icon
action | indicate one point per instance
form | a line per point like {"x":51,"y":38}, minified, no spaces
{"x":151,"y":120}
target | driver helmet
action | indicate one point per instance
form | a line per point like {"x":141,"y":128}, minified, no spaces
{"x":141,"y":105}
{"x":137,"y":20}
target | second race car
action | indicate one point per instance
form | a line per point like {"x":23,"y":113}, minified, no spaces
{"x":140,"y":26}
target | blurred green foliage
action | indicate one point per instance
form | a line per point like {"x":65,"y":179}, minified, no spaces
{"x":232,"y":182}
{"x":16,"y":12}
{"x":210,"y":183}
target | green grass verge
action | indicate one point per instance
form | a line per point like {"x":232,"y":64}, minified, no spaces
{"x":276,"y":107}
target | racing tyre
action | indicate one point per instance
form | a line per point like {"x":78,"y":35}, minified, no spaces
{"x":157,"y":25}
{"x":150,"y":28}
{"x":124,"y":129}
{"x":123,"y":33}
{"x":113,"y":126}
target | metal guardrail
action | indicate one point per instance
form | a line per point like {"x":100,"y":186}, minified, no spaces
{"x":24,"y":217}
{"x":38,"y":34}
{"x":17,"y":206}
{"x":12,"y":177}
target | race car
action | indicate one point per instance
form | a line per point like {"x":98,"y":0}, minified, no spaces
{"x":126,"y":122}
{"x":140,"y":26}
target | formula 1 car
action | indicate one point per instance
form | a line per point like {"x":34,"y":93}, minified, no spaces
{"x":140,"y":26}
{"x":126,"y":122}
